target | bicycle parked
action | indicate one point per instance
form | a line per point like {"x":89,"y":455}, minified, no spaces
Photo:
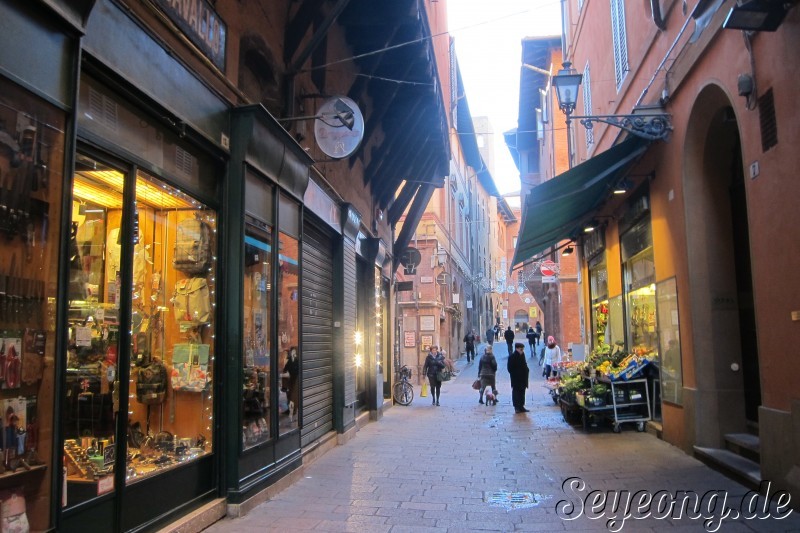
{"x":403,"y":390}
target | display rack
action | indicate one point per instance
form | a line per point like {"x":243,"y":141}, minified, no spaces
{"x":630,"y":403}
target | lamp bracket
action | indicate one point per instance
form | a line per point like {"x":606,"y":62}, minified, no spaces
{"x":650,"y":126}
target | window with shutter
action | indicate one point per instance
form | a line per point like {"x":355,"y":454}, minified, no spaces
{"x":620,"y":41}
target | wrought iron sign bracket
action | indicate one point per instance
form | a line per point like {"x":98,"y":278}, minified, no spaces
{"x":650,"y":126}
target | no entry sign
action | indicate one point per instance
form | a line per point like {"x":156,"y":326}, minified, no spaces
{"x":547,"y":268}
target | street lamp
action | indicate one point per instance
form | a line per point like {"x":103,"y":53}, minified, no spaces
{"x":647,"y":122}
{"x":567,"y":82}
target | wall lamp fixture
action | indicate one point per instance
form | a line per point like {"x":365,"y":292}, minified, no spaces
{"x":756,"y":15}
{"x":568,"y":250}
{"x":642,"y":122}
{"x":623,"y":186}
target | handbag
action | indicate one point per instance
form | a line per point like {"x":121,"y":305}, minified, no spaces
{"x":443,"y":375}
{"x":476,"y":384}
{"x":190,"y":367}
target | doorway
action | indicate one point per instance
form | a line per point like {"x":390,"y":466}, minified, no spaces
{"x":725,"y":342}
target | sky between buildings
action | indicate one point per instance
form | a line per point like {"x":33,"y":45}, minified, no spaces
{"x":488,"y":36}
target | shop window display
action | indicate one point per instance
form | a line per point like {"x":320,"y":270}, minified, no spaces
{"x":171,"y":356}
{"x":669,"y":341}
{"x":640,"y":300}
{"x":31,"y":158}
{"x":288,"y":332}
{"x":257,"y":318}
{"x":600,"y":310}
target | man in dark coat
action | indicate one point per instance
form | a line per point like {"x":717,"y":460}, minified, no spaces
{"x":509,"y":337}
{"x":469,"y":342}
{"x":518,"y":371}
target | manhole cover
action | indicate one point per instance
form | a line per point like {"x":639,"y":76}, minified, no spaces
{"x":512,"y":500}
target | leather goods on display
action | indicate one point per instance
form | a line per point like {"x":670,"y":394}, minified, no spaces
{"x":192,"y":253}
{"x":151,"y":383}
{"x":192,"y":301}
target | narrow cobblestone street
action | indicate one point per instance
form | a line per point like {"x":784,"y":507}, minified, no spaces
{"x":464,"y":466}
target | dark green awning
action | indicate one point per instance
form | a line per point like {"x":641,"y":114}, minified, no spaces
{"x":555,"y":209}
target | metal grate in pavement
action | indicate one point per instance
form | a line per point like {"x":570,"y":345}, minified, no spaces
{"x":512,"y":500}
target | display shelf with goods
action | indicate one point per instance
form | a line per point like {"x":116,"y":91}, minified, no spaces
{"x":609,"y":386}
{"x":32,"y":144}
{"x":170,"y":358}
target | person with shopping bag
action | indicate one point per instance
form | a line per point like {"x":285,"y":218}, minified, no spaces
{"x":433,"y":367}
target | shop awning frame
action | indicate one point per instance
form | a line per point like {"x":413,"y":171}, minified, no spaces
{"x":555,"y":210}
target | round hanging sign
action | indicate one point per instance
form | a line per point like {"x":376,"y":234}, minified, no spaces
{"x":547,"y":268}
{"x":339,"y":127}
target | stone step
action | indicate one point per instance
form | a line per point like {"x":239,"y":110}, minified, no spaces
{"x":731,"y":464}
{"x":745,"y":444}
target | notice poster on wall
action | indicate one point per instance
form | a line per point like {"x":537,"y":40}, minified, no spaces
{"x":409,"y":339}
{"x":427,"y":340}
{"x":427,"y":323}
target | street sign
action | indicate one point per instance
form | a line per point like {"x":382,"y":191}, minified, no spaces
{"x":547,"y":268}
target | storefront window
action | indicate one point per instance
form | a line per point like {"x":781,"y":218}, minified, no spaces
{"x":169,"y":417}
{"x":31,"y":158}
{"x":288,"y":332}
{"x":256,"y":349}
{"x":599,"y":295}
{"x":640,"y":302}
{"x":669,"y":342}
{"x":615,"y":332}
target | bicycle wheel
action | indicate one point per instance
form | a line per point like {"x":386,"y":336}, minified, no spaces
{"x":403,"y":393}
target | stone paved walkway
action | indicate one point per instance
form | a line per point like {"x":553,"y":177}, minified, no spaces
{"x":469,"y":467}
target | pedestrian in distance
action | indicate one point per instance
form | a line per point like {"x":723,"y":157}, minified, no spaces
{"x":469,"y":342}
{"x":531,"y":336}
{"x":434,"y":363}
{"x":496,"y":332}
{"x":490,"y":336}
{"x":552,"y":355}
{"x":487,"y":369}
{"x":538,"y":330}
{"x":518,"y":371}
{"x":509,"y":337}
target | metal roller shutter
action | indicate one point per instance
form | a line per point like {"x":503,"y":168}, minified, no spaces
{"x":317,"y":310}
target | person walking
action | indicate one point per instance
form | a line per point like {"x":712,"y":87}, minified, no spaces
{"x":552,"y":355}
{"x":537,"y":329}
{"x":434,"y":363}
{"x":469,"y":342}
{"x":490,"y":336}
{"x":518,"y":371}
{"x":531,"y":336}
{"x":487,"y":369}
{"x":509,"y":337}
{"x":496,"y":332}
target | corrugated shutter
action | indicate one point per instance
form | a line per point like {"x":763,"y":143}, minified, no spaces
{"x":317,"y":309}
{"x":349,"y":319}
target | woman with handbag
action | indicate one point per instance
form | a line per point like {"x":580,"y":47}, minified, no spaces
{"x":487,"y":368}
{"x":434,"y":365}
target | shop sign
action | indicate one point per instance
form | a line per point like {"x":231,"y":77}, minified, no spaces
{"x":533,"y":312}
{"x":201,"y":24}
{"x":409,"y":339}
{"x":427,"y":323}
{"x":456,"y":298}
{"x":317,"y":201}
{"x":426,"y":279}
